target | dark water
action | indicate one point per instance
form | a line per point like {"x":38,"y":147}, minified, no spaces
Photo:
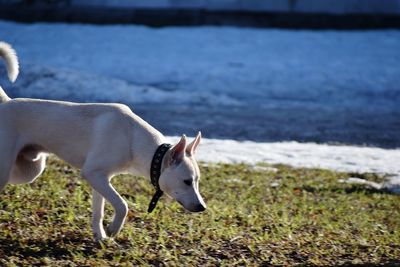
{"x":305,"y":124}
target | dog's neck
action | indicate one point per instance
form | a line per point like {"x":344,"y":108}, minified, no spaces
{"x":143,"y":150}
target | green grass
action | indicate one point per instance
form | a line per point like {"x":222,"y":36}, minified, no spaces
{"x":255,"y":216}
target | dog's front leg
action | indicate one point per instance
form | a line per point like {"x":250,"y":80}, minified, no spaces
{"x":98,"y":214}
{"x":101,"y":183}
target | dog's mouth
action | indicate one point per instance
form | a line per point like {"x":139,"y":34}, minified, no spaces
{"x":193,"y":208}
{"x":180,"y":202}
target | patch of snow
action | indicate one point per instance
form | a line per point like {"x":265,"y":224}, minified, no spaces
{"x":264,"y":168}
{"x":309,"y":155}
{"x":274,"y":184}
{"x":356,"y":180}
{"x":392,"y":183}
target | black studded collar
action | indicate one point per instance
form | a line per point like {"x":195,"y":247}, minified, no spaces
{"x":155,"y":172}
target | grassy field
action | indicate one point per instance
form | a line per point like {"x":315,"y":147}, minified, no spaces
{"x":256,"y":216}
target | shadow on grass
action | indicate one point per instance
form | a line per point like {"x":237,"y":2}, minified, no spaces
{"x":58,"y":248}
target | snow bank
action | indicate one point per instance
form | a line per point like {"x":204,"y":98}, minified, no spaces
{"x":311,"y":155}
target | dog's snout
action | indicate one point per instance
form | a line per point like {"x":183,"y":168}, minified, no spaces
{"x":194,"y":206}
{"x":199,"y":208}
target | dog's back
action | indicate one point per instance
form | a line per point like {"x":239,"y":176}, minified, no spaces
{"x":10,"y":57}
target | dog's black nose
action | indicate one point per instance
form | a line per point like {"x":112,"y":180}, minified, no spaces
{"x":199,"y":208}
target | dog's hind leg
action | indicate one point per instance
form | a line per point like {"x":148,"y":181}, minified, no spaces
{"x":29,"y":164}
{"x":3,"y":183}
{"x":26,"y":169}
{"x":7,"y":157}
{"x":3,"y":176}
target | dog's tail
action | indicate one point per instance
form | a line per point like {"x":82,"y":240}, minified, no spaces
{"x":10,"y":57}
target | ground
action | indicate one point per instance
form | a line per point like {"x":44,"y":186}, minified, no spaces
{"x":257,"y":215}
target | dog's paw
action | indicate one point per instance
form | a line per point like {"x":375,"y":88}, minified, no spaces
{"x":111,"y":231}
{"x":100,"y":238}
{"x":107,"y":242}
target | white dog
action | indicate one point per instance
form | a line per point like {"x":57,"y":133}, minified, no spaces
{"x":100,"y":139}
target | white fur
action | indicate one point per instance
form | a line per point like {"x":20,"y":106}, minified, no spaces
{"x":9,"y":55}
{"x":100,"y":139}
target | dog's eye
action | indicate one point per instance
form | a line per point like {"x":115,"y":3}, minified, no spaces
{"x":188,"y":182}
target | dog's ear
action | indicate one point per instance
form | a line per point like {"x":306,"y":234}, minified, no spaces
{"x":191,"y":148}
{"x":178,"y":151}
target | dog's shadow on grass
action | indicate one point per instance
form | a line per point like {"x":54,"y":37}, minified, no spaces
{"x":59,"y":248}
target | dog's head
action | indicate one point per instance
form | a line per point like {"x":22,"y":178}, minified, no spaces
{"x":180,"y":175}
